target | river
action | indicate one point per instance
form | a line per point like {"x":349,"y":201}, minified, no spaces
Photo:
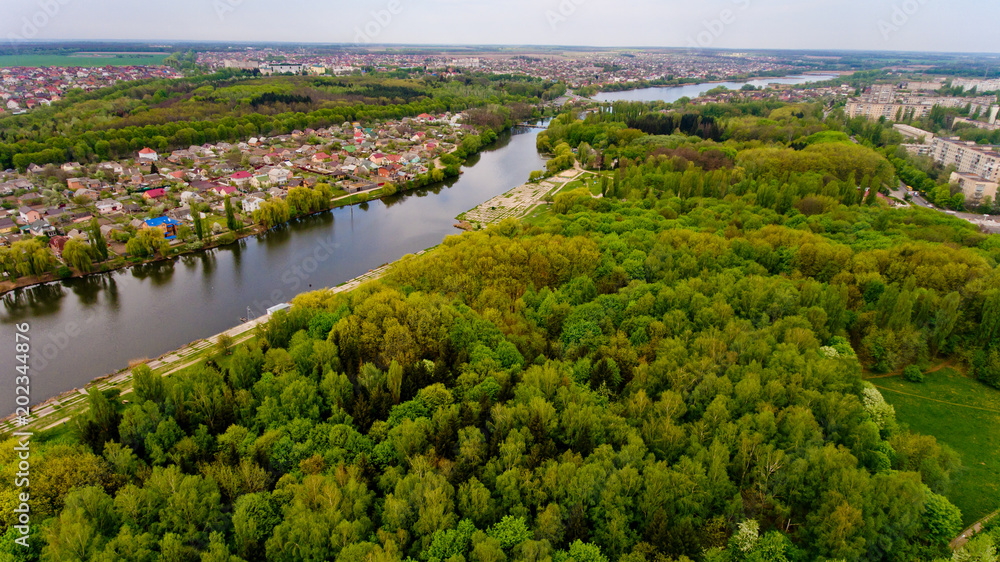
{"x":671,"y":94}
{"x":81,"y":329}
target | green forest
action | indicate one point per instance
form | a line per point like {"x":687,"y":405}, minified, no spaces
{"x":673,"y":371}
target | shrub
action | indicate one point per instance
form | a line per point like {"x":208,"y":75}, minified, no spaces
{"x":913,"y":374}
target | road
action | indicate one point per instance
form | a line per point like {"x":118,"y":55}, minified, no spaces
{"x":989,"y":223}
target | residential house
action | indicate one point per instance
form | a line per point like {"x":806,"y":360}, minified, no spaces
{"x":31,"y":198}
{"x":41,"y":228}
{"x":154,"y":194}
{"x":7,"y":224}
{"x":166,"y":224}
{"x":279,"y":176}
{"x":188,"y":196}
{"x":81,"y":216}
{"x":241,"y":178}
{"x":29,"y":215}
{"x":357,"y":185}
{"x":86,"y":193}
{"x":252,"y":204}
{"x":260,"y":180}
{"x":113,"y":167}
{"x":223,"y":190}
{"x":106,"y":206}
{"x":148,"y":155}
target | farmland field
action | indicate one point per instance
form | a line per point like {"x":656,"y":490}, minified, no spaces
{"x":972,"y":429}
{"x":88,"y":60}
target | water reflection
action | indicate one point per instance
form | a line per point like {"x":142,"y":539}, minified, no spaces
{"x":40,"y":300}
{"x":89,"y":289}
{"x":159,"y":273}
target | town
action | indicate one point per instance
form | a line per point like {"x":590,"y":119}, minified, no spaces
{"x":23,"y":89}
{"x":169,"y":192}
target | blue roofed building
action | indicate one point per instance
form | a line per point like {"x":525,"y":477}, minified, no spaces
{"x":166,"y":224}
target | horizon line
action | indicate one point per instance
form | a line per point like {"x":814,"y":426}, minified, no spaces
{"x":352,"y":45}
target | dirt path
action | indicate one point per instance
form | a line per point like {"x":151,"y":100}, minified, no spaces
{"x":935,"y":400}
{"x":899,"y":373}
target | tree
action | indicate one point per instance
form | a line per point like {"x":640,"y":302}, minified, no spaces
{"x":943,"y":519}
{"x":77,"y":255}
{"x":199,"y":227}
{"x":231,"y":221}
{"x":224,"y":343}
{"x":510,"y":531}
{"x":147,"y":385}
{"x":913,"y":373}
{"x":97,"y":241}
{"x":147,"y":243}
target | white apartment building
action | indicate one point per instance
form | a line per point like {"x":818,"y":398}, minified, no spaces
{"x":974,"y":187}
{"x":968,"y":157}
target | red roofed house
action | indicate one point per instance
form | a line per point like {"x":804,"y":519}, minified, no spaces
{"x":223,"y":190}
{"x":149,"y":155}
{"x":154,"y":194}
{"x":241,"y":178}
{"x":320,"y":157}
{"x":58,"y":244}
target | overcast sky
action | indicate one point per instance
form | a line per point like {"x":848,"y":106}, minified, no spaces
{"x":917,"y":25}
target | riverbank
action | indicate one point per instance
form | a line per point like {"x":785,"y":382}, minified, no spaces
{"x":60,"y":409}
{"x":519,"y":201}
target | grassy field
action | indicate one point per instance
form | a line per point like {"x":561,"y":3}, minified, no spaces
{"x":963,"y":414}
{"x":70,"y":60}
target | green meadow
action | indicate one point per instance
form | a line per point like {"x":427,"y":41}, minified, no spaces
{"x":965,"y":415}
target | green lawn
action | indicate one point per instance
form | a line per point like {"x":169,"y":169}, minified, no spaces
{"x":933,"y":408}
{"x":111,"y":59}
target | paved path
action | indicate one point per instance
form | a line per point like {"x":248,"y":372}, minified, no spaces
{"x":959,"y":541}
